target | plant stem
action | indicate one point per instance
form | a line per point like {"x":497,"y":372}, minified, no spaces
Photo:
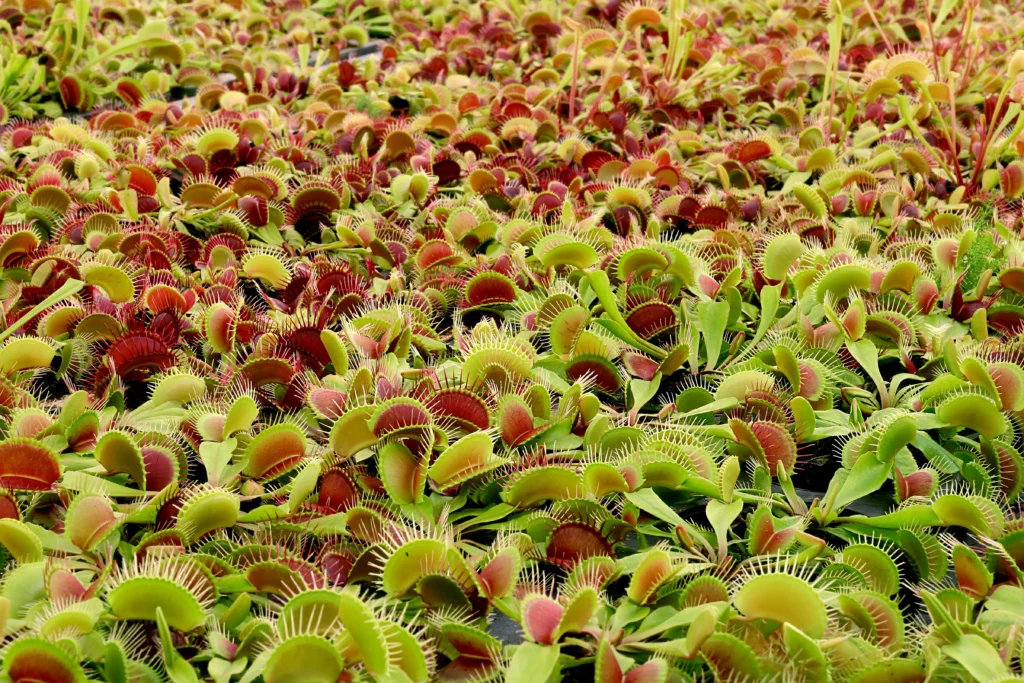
{"x":639,"y":38}
{"x":979,"y":164}
{"x":69,"y":288}
{"x":916,"y":132}
{"x":673,"y":38}
{"x":875,"y":138}
{"x":878,"y":26}
{"x":950,"y":140}
{"x":606,"y":78}
{"x":965,"y":30}
{"x":1018,"y":128}
{"x":575,"y":74}
{"x":931,"y":35}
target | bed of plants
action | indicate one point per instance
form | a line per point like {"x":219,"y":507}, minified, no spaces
{"x":685,"y":337}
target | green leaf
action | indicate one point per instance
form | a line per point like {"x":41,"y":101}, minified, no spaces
{"x":867,"y":476}
{"x":178,"y":668}
{"x":303,"y":486}
{"x":81,"y":481}
{"x":721,"y":516}
{"x":66,"y":291}
{"x":532,"y":663}
{"x":805,"y":653}
{"x":713,"y":407}
{"x":713,"y":317}
{"x":978,"y":657}
{"x":779,"y":256}
{"x":599,"y":283}
{"x":1004,"y":608}
{"x":865,"y":353}
{"x":642,"y":391}
{"x":648,"y":501}
{"x":938,"y":457}
{"x":266,"y":513}
{"x":486,"y":516}
{"x":683,"y":617}
{"x":913,"y":516}
{"x":216,"y":456}
{"x":51,"y":540}
{"x":152,"y":31}
{"x":628,"y":612}
{"x":794,"y":179}
{"x":770,"y":297}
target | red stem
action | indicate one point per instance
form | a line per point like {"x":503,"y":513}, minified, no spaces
{"x":575,"y":73}
{"x":979,"y":162}
{"x":931,"y":34}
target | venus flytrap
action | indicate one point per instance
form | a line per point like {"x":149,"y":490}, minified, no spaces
{"x":358,"y":355}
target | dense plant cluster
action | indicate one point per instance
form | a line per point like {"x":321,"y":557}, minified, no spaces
{"x":688,"y":336}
